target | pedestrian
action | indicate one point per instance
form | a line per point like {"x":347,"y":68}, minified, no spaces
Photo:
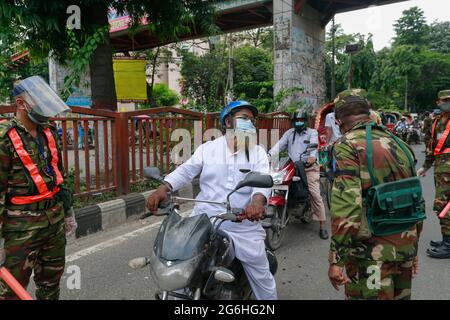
{"x":373,"y":260}
{"x":37,"y":209}
{"x":438,"y":153}
{"x":426,"y":130}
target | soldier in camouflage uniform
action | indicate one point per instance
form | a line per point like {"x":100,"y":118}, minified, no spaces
{"x":438,"y":152}
{"x":426,"y":130}
{"x":375,"y":267}
{"x":33,"y":223}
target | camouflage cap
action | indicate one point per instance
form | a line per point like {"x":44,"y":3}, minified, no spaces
{"x":350,"y":95}
{"x":444,"y":94}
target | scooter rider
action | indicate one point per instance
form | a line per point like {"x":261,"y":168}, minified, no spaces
{"x":218,"y":163}
{"x":296,"y":140}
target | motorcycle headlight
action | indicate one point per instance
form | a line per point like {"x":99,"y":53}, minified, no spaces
{"x":278,"y":177}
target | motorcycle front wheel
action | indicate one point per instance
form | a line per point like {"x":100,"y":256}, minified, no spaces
{"x":275,"y":234}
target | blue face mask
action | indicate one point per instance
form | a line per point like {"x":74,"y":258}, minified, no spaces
{"x":243,"y":125}
{"x":299,"y":124}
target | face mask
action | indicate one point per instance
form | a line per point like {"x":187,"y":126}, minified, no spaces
{"x":445,"y":106}
{"x":246,"y":126}
{"x":299,"y":123}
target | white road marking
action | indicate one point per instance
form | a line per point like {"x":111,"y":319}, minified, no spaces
{"x":115,"y":241}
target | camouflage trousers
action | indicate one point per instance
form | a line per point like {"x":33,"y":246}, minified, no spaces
{"x":442,"y":183}
{"x":42,"y":251}
{"x":376,"y":280}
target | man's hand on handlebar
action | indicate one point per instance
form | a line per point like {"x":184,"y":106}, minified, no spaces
{"x":256,"y":209}
{"x":311,"y":160}
{"x":157,"y":197}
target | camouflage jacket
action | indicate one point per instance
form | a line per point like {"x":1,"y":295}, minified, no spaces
{"x":348,"y":198}
{"x":442,"y":161}
{"x":14,"y":178}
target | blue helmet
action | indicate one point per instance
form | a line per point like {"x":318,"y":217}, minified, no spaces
{"x":235,"y":106}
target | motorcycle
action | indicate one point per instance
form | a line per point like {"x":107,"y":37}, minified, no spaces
{"x":413,"y":135}
{"x":402,"y":133}
{"x":281,"y":205}
{"x":192,"y":258}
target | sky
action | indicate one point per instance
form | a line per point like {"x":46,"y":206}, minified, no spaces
{"x":379,"y":20}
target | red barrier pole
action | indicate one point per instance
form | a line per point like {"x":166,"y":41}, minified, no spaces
{"x":14,"y":284}
{"x":445,"y":211}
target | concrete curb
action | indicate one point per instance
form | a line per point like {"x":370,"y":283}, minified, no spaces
{"x":108,"y":215}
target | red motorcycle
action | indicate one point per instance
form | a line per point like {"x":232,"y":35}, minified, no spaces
{"x":281,"y":204}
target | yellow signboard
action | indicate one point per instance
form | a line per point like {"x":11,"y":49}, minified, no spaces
{"x":130,"y":79}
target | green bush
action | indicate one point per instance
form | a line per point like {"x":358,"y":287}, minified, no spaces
{"x":164,"y":96}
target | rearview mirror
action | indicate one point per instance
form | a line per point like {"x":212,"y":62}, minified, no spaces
{"x":256,"y":180}
{"x":313,"y":146}
{"x":152,"y":173}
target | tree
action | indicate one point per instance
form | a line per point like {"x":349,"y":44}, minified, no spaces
{"x":411,"y":28}
{"x":45,"y":24}
{"x":440,"y":37}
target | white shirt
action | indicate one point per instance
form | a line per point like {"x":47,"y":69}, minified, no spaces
{"x":298,"y":146}
{"x":331,"y":123}
{"x":219,"y":174}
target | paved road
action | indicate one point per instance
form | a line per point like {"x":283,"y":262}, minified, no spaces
{"x":103,"y":257}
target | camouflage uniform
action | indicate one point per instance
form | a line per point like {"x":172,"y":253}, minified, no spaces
{"x":352,"y":245}
{"x":427,"y":123}
{"x":34,"y":234}
{"x":441,"y":169}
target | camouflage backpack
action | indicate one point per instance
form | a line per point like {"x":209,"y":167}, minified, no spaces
{"x":393,"y":207}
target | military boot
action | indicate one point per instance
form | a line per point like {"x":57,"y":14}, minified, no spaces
{"x":436,"y":243}
{"x":442,"y":252}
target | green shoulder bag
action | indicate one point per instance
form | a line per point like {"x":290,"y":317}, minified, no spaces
{"x":393,"y":207}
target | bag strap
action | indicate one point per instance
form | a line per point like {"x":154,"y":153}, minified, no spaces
{"x":369,"y":151}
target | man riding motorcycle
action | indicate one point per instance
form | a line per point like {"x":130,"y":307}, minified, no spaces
{"x":296,"y":140}
{"x":401,"y":128}
{"x":220,"y":164}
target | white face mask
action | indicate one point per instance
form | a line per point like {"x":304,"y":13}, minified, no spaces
{"x":243,"y":125}
{"x":445,"y":106}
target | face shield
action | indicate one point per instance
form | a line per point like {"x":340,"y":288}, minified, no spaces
{"x":43,"y":102}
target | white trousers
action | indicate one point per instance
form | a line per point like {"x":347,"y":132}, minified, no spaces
{"x":250,"y":249}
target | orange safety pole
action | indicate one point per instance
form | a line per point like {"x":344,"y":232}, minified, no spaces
{"x":445,"y":211}
{"x":14,"y":284}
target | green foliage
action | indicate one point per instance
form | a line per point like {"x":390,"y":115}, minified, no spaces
{"x":411,"y":28}
{"x":79,"y":57}
{"x":164,"y":96}
{"x":417,"y":64}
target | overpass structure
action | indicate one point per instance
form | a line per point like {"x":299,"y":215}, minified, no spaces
{"x":299,"y":36}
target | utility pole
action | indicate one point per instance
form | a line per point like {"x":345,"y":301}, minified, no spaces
{"x":351,"y":49}
{"x":333,"y":60}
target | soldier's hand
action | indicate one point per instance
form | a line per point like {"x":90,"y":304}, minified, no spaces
{"x":421,"y":172}
{"x":2,"y":252}
{"x":71,"y":225}
{"x":156,"y":198}
{"x":337,"y":276}
{"x":415,"y":267}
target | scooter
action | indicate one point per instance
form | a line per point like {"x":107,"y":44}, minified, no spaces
{"x":281,"y":206}
{"x":192,"y":258}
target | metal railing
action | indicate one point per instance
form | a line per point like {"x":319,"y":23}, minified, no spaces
{"x":107,"y":151}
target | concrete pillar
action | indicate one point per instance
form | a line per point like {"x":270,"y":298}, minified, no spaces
{"x":58,"y":72}
{"x":298,"y":62}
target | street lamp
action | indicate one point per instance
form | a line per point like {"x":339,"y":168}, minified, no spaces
{"x":351,"y":49}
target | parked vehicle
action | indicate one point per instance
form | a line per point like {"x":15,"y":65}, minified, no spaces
{"x":192,"y":258}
